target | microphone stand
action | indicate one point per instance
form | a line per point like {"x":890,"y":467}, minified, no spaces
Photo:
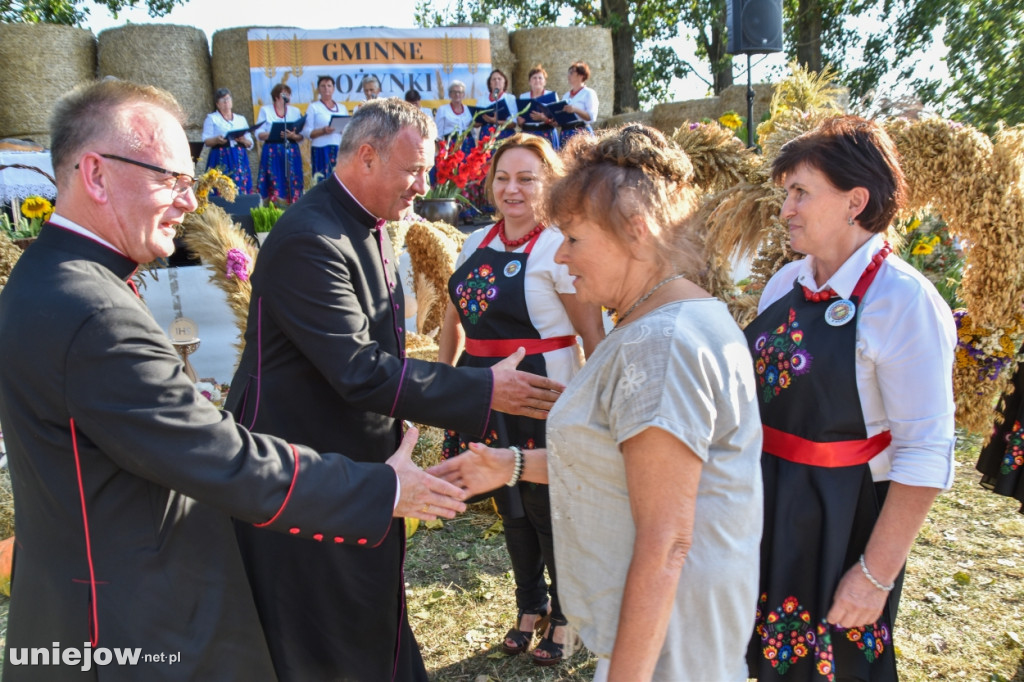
{"x":287,"y":161}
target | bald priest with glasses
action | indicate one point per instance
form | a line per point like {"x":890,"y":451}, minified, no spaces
{"x":125,"y":477}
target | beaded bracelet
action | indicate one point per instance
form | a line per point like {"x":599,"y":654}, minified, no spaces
{"x":867,"y":574}
{"x":517,"y":470}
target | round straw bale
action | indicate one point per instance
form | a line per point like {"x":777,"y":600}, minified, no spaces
{"x":230,"y":68}
{"x":501,"y":54}
{"x":40,"y":62}
{"x":556,"y":48}
{"x":175,"y":58}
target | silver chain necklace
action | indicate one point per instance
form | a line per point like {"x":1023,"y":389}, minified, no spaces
{"x":646,"y":296}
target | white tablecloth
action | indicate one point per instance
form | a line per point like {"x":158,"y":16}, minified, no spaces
{"x":17,"y":183}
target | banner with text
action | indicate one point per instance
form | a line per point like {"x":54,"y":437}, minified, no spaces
{"x":402,"y":59}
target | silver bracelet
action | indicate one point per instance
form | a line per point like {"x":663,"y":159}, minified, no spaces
{"x":867,"y":574}
{"x":517,"y":470}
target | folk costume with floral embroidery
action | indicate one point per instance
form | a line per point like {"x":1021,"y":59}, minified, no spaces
{"x":821,"y":503}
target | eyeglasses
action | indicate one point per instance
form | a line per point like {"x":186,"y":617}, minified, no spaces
{"x":182,"y":181}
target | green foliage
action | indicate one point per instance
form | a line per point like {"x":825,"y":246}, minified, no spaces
{"x":643,"y":69}
{"x":985,"y":59}
{"x":264,"y":217}
{"x":72,"y":12}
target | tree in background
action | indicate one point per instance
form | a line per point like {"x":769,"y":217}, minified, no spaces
{"x":985,"y":39}
{"x":643,"y":69}
{"x":72,"y":12}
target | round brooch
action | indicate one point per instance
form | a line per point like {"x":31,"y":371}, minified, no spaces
{"x":512,"y":268}
{"x":840,"y":312}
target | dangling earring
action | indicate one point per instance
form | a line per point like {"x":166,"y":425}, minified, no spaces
{"x":849,"y":221}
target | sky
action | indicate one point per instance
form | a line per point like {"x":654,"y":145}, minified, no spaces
{"x":213,"y":15}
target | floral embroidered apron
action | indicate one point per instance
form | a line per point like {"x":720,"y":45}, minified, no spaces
{"x":820,"y":501}
{"x":489,"y":294}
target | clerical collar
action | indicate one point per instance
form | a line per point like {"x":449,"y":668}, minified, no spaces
{"x":61,"y":221}
{"x":341,"y":184}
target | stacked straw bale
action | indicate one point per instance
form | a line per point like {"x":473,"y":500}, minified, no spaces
{"x":629,"y":117}
{"x":230,"y":69}
{"x":175,"y":58}
{"x":672,"y":115}
{"x":556,"y":48}
{"x":41,"y":62}
{"x":502,"y":56}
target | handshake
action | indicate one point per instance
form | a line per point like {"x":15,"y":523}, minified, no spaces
{"x":439,"y":491}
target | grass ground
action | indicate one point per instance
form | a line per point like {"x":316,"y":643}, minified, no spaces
{"x":961,"y":617}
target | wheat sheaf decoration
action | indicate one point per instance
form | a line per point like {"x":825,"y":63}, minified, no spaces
{"x":975,"y":183}
{"x":229,"y":254}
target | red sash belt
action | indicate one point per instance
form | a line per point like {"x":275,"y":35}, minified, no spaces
{"x":500,"y":348}
{"x":841,"y":453}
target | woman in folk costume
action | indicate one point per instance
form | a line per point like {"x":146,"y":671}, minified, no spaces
{"x":1001,"y":461}
{"x":534,"y":122}
{"x":324,"y":139}
{"x":853,"y":353}
{"x":280,"y":161}
{"x":581,"y":100}
{"x":497,"y":89}
{"x":506,"y":292}
{"x":232,"y":155}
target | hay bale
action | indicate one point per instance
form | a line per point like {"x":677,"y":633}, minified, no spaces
{"x":671,"y":115}
{"x":40,"y":60}
{"x":230,"y":69}
{"x":175,"y":58}
{"x":557,"y":48}
{"x":644,"y":117}
{"x":502,"y":56}
{"x":734,"y":98}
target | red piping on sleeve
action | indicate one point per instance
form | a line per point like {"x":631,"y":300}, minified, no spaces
{"x":94,"y":622}
{"x":287,"y":497}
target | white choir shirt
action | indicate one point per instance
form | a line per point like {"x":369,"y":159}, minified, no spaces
{"x":216,"y":125}
{"x":545,"y":280}
{"x":319,"y":116}
{"x":268,"y":116}
{"x":448,"y":122}
{"x":585,"y":99}
{"x":906,"y":339}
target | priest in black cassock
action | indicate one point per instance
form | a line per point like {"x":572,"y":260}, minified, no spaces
{"x":324,"y":363}
{"x":125,"y":477}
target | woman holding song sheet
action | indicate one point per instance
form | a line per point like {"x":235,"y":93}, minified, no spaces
{"x":228,"y":149}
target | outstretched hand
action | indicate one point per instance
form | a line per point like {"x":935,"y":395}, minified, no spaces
{"x":422,"y":495}
{"x":522,"y":393}
{"x":479,"y":469}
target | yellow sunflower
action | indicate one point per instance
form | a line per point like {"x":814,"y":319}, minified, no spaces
{"x":731,"y":120}
{"x":36,"y":207}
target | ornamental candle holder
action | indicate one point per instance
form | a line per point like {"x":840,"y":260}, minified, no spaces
{"x":185,"y":339}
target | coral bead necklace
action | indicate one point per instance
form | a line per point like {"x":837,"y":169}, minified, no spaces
{"x":516,"y":243}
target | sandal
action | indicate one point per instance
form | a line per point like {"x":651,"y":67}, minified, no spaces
{"x":517,"y":641}
{"x":553,"y":652}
